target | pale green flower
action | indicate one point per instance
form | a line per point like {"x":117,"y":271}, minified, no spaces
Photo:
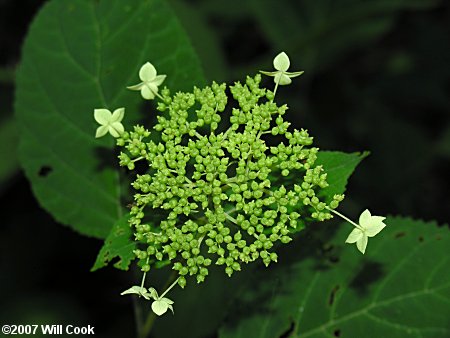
{"x":138,"y":290}
{"x":281,"y":63}
{"x":369,"y":226}
{"x":150,"y":81}
{"x":110,"y":122}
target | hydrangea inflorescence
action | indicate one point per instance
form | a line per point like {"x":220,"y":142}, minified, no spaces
{"x":216,"y":182}
{"x":220,"y":191}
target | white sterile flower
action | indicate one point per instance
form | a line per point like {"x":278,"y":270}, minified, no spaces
{"x":369,"y":226}
{"x":138,"y":290}
{"x":281,"y":64}
{"x":110,"y":122}
{"x":150,"y":81}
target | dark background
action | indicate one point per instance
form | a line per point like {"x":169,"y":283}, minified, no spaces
{"x":376,"y":78}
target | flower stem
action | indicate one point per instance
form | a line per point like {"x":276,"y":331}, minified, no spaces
{"x":276,"y":87}
{"x":232,"y":219}
{"x":344,"y":217}
{"x":170,"y":287}
{"x":147,"y":327}
{"x":158,"y":95}
{"x":145,"y":274}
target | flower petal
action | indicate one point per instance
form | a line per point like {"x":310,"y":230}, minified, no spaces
{"x":102,"y":116}
{"x":101,"y":131}
{"x":118,"y":114}
{"x":134,"y":290}
{"x":375,"y":227}
{"x":159,"y":80}
{"x":364,"y":218}
{"x":147,"y":93}
{"x":153,"y":293}
{"x":281,"y":62}
{"x":294,"y":74}
{"x":354,"y":236}
{"x":361,"y":244}
{"x":268,"y":73}
{"x":115,"y":129}
{"x":136,"y":87}
{"x":147,"y":72}
{"x":284,"y":79}
{"x":146,"y":295}
{"x":159,"y":307}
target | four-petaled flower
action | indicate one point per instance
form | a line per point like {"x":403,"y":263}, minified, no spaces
{"x":150,"y":81}
{"x":368,"y":226}
{"x":281,"y":64}
{"x":110,"y":122}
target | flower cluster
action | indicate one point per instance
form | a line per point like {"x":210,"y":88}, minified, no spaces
{"x":213,"y":172}
{"x":221,"y":193}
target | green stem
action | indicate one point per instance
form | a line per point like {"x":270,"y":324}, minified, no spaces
{"x":147,"y":327}
{"x":170,"y":287}
{"x":232,"y":219}
{"x":145,"y":274}
{"x":276,"y":87}
{"x":199,"y":136}
{"x":158,"y":95}
{"x":138,"y":315}
{"x":344,"y":217}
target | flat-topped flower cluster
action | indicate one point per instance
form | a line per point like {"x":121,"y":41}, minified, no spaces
{"x":211,"y":188}
{"x":220,"y":192}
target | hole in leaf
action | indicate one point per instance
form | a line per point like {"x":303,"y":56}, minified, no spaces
{"x":289,"y":331}
{"x":44,"y":171}
{"x":333,"y":295}
{"x":421,"y":239}
{"x":399,"y":234}
{"x":337,"y":333}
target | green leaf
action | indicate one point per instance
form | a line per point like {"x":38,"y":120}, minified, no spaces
{"x":400,"y":288}
{"x":321,"y":32}
{"x":80,"y":55}
{"x":118,"y":244}
{"x":339,"y":166}
{"x":206,"y":44}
